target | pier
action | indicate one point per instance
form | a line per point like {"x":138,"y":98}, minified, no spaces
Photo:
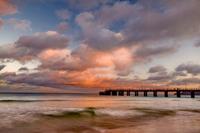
{"x":127,"y":92}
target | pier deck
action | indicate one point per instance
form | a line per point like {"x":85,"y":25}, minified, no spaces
{"x":127,"y":92}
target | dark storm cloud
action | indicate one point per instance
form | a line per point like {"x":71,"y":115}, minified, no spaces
{"x":23,"y":69}
{"x":186,"y":81}
{"x":179,"y":73}
{"x":39,"y":79}
{"x":160,"y":78}
{"x":179,"y":76}
{"x":141,"y":22}
{"x":167,"y":23}
{"x":193,"y":69}
{"x":27,"y":47}
{"x":95,"y":35}
{"x":43,"y":41}
{"x":2,"y":67}
{"x":147,"y":52}
{"x":159,"y":74}
{"x":156,"y":69}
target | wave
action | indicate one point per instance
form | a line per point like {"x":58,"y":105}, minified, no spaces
{"x":87,"y":112}
{"x":101,"y":112}
{"x":156,"y":112}
{"x":73,"y":119}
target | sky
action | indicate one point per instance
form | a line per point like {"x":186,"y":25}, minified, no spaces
{"x":88,"y":45}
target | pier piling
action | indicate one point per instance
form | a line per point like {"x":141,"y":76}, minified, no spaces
{"x":192,"y":94}
{"x":136,"y":93}
{"x":166,"y":93}
{"x":114,"y":93}
{"x":155,"y":93}
{"x":178,"y":93}
{"x":121,"y":93}
{"x":145,"y":93}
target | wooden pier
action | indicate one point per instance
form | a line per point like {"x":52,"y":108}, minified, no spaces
{"x":127,"y":92}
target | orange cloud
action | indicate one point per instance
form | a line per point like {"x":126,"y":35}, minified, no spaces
{"x":86,"y":67}
{"x":119,"y":60}
{"x":7,"y":8}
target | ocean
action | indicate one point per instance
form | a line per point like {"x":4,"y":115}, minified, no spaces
{"x":82,"y":113}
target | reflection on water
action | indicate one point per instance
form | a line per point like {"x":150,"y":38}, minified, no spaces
{"x":95,"y":114}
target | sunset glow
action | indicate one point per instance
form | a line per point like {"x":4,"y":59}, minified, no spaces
{"x":77,"y":46}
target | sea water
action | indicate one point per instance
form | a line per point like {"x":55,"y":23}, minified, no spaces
{"x":78,"y":113}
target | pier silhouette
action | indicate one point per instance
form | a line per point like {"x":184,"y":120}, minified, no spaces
{"x":127,"y":92}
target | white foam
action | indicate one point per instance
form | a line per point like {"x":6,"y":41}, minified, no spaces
{"x":117,"y":112}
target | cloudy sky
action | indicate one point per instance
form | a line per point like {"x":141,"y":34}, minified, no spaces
{"x":87,"y":45}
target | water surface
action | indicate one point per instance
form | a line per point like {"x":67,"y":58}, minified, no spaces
{"x":62,"y":113}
